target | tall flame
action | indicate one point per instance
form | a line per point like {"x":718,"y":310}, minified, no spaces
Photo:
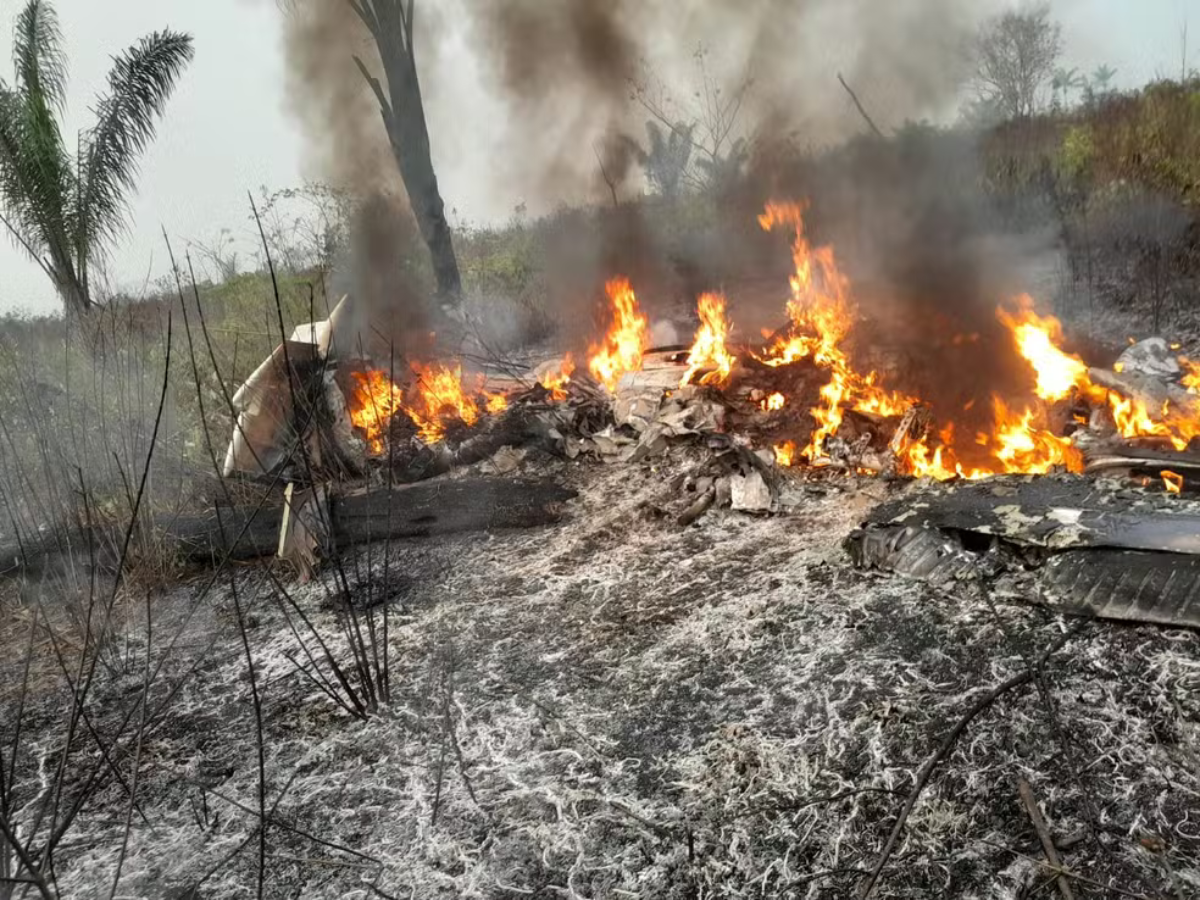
{"x":708,"y":350}
{"x":1037,"y":338}
{"x":821,"y":316}
{"x":626,"y":341}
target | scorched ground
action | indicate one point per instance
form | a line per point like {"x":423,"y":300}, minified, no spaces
{"x":616,"y":707}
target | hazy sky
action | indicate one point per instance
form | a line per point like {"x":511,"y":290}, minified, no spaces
{"x":228,"y":131}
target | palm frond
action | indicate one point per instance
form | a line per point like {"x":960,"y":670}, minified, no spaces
{"x":15,"y":210}
{"x":36,"y":178}
{"x":140,"y":83}
{"x":38,"y":54}
{"x":39,"y":177}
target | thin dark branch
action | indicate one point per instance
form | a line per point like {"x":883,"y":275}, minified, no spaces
{"x":258,"y":726}
{"x":859,"y":106}
{"x":1043,"y":833}
{"x":137,"y":755}
{"x":385,"y":107}
{"x":604,"y":174}
{"x":947,"y":745}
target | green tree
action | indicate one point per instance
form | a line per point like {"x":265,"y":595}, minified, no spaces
{"x":66,"y":209}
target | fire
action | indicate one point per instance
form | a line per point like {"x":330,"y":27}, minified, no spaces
{"x":439,"y":399}
{"x":708,"y":350}
{"x":821,"y":315}
{"x":556,"y":380}
{"x":1022,"y":446}
{"x":1018,"y":441}
{"x":1133,"y":419}
{"x":1018,"y":445}
{"x":434,"y":400}
{"x":1059,"y":373}
{"x":1172,"y":481}
{"x":1038,"y":340}
{"x":773,"y":403}
{"x":1191,"y":375}
{"x":626,"y":340}
{"x":376,"y":400}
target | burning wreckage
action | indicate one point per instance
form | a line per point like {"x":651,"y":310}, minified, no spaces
{"x":1081,"y":483}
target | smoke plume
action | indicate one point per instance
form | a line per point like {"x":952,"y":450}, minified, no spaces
{"x":567,"y":73}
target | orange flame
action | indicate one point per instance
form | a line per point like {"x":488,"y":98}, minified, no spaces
{"x":496,"y":403}
{"x":708,"y":350}
{"x":1172,"y":481}
{"x":1134,"y":419}
{"x":374,"y":402}
{"x":626,"y":340}
{"x":785,"y":454}
{"x":1018,"y":445}
{"x":1037,"y":338}
{"x":1021,"y":446}
{"x":439,"y":399}
{"x":1017,"y":442}
{"x":821,"y":316}
{"x":434,"y":400}
{"x":556,"y":380}
{"x":1191,"y":375}
{"x":1058,"y":373}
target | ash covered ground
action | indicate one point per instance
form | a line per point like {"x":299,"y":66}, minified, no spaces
{"x":613,"y":706}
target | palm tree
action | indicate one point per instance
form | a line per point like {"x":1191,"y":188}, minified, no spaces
{"x":1062,"y":82}
{"x":667,"y":158}
{"x":65,"y":209}
{"x":1102,"y":79}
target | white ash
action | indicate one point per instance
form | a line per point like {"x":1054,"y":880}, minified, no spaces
{"x":646,"y":711}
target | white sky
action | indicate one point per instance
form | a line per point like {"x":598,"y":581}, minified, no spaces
{"x":227,"y":129}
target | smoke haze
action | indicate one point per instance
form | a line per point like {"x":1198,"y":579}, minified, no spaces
{"x":536,"y":95}
{"x":531,"y":91}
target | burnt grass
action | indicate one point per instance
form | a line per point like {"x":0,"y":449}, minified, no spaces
{"x":616,"y":707}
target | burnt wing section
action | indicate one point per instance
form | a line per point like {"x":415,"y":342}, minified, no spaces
{"x":913,"y":552}
{"x":1101,"y":549}
{"x":1055,"y":513}
{"x":1162,"y":588}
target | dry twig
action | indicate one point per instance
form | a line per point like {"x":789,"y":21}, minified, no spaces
{"x":1019,"y":680}
{"x":1043,"y":833}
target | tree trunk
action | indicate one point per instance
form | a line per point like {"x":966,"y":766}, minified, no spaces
{"x":71,"y":289}
{"x":411,"y":147}
{"x":403,"y":113}
{"x":74,"y":297}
